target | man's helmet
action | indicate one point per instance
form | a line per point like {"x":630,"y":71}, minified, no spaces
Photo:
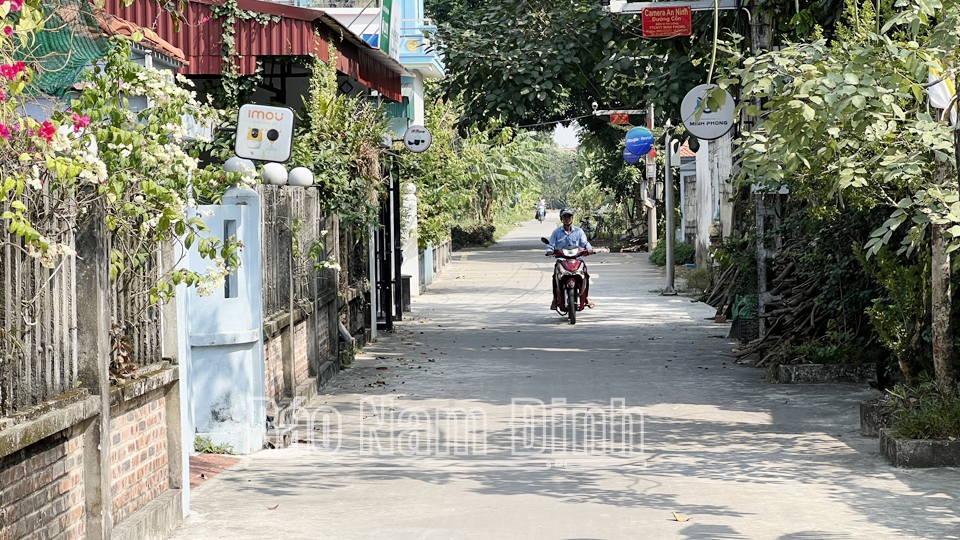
{"x":566,"y":211}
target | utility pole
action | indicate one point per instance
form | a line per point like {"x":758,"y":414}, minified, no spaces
{"x":670,"y":229}
{"x":760,"y":41}
{"x":651,"y":183}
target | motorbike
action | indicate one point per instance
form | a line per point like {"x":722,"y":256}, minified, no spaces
{"x":571,"y":276}
{"x":541,"y":213}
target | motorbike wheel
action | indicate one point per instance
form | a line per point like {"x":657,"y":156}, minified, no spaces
{"x":572,"y":305}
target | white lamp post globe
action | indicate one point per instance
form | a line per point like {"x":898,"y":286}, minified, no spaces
{"x":275,"y":174}
{"x":245,"y":166}
{"x":301,"y":177}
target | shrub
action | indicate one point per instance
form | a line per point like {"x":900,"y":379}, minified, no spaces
{"x":479,"y":234}
{"x":924,"y":411}
{"x":682,"y":254}
{"x":699,"y":278}
{"x":204,"y":445}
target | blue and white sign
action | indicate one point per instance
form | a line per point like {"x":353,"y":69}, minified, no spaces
{"x":630,"y":157}
{"x":639,"y":140}
{"x":712,"y":122}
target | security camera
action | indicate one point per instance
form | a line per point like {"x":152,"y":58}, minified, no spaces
{"x":595,"y":106}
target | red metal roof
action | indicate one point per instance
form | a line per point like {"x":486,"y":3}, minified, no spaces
{"x":300,"y":32}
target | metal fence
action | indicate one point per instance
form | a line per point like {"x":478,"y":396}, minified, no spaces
{"x":275,"y":250}
{"x":136,"y":321}
{"x":38,"y":314}
{"x":296,"y":236}
{"x":39,"y":341}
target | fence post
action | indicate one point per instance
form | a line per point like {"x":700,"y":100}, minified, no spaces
{"x":311,"y":207}
{"x":93,"y":333}
{"x":178,"y":453}
{"x":288,"y":338}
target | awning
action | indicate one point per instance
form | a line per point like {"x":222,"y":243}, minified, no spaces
{"x":299,"y":32}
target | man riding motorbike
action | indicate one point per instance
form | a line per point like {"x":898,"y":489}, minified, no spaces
{"x":568,"y":235}
{"x":541,"y":206}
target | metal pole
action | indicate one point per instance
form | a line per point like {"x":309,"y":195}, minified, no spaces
{"x":670,"y":230}
{"x":651,"y":193}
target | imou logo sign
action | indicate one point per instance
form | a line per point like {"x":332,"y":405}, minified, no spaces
{"x":264,"y":133}
{"x":257,"y":114}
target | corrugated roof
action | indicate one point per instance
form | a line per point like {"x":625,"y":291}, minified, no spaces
{"x":300,"y":32}
{"x":685,"y":150}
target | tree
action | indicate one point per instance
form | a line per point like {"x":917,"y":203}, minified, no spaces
{"x":539,"y":62}
{"x":846,"y":122}
{"x":469,"y":177}
{"x":559,"y":177}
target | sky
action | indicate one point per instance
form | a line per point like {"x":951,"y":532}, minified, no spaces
{"x":566,"y":137}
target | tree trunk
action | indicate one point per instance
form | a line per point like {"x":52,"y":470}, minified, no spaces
{"x":941,"y":294}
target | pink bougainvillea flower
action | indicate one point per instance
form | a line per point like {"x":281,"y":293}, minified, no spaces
{"x":16,"y":5}
{"x":19,"y":66}
{"x":4,"y":132}
{"x":8,"y":30}
{"x":47,"y":131}
{"x":3,"y":94}
{"x":79,"y":122}
{"x":204,"y":19}
{"x":9,"y":72}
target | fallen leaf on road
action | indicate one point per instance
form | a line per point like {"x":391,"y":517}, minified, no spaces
{"x":273,"y":507}
{"x":431,"y":360}
{"x":680,"y":518}
{"x":382,"y":368}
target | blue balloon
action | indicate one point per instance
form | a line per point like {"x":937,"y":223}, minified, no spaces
{"x":630,"y":157}
{"x":639,"y":141}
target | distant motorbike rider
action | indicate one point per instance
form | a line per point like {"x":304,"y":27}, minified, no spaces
{"x":565,"y":236}
{"x":541,"y":206}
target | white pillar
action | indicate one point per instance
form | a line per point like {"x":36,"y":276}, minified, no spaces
{"x":705,"y":204}
{"x":411,"y":253}
{"x":722,"y":149}
{"x":418,"y":105}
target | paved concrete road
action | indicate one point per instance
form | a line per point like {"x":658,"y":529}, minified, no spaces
{"x":738,"y":457}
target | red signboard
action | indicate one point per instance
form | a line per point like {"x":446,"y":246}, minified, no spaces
{"x":619,"y":118}
{"x":659,"y":22}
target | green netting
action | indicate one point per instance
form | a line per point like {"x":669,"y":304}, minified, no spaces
{"x":745,"y":307}
{"x":70,"y":40}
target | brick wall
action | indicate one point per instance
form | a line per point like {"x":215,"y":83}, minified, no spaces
{"x":41,"y":490}
{"x":301,"y":369}
{"x":138,"y":453}
{"x":273,"y":369}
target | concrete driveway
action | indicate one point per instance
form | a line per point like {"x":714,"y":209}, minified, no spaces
{"x":487,"y":416}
